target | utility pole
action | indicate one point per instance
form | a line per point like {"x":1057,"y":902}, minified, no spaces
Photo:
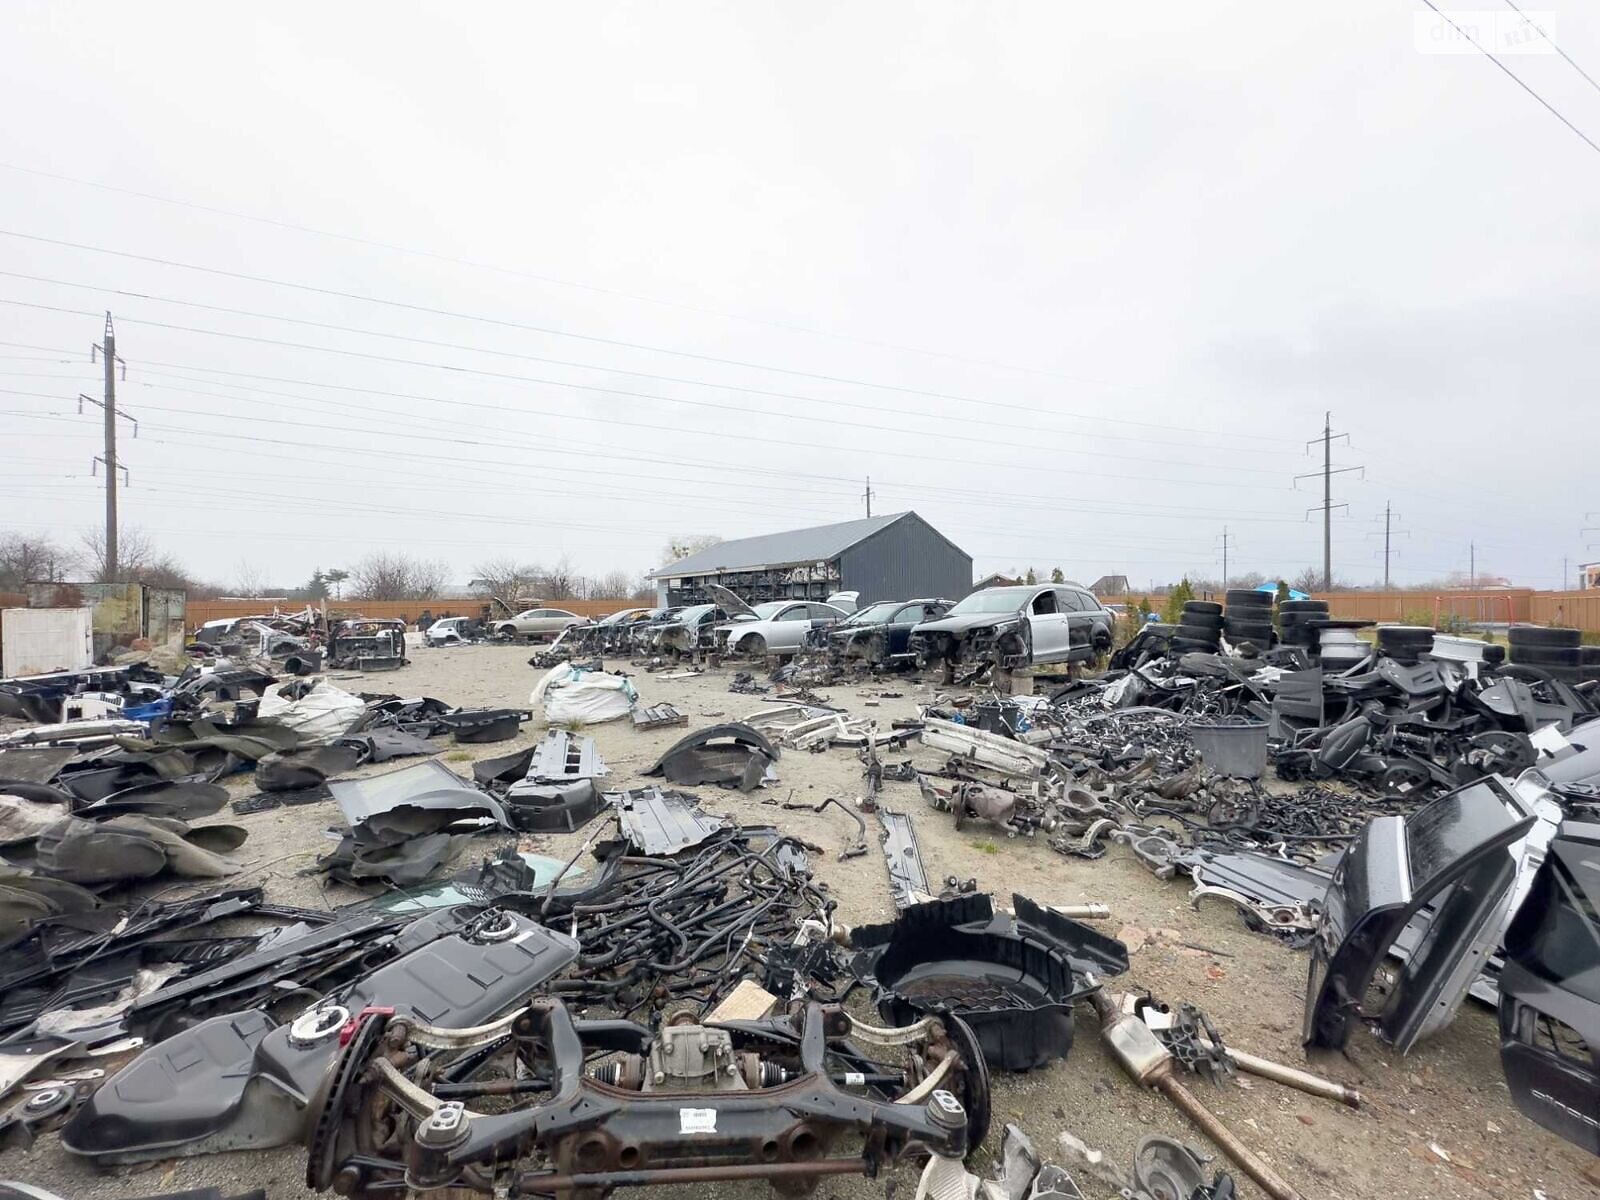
{"x":1388,"y":538}
{"x":1472,"y":559}
{"x":1563,"y":572}
{"x":868,"y":495}
{"x":1327,"y":506}
{"x":1224,"y":558}
{"x":107,"y":351}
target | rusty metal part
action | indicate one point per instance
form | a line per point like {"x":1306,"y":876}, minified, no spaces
{"x":535,"y":1184}
{"x":1142,"y":1055}
{"x":1305,"y":1081}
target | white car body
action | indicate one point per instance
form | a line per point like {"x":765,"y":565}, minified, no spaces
{"x":781,"y":625}
{"x":538,"y":622}
{"x":446,"y":631}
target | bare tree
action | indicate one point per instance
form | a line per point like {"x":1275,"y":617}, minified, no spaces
{"x":138,"y":560}
{"x":390,"y":576}
{"x":560,"y":580}
{"x":506,"y":581}
{"x":1310,"y":580}
{"x":682,"y":547}
{"x":613,"y":585}
{"x":248,"y":579}
{"x":428,"y":577}
{"x":25,"y":560}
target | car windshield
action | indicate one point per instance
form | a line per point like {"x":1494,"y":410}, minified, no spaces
{"x":690,"y":615}
{"x":992,"y":600}
{"x":873,"y":614}
{"x":765,"y":612}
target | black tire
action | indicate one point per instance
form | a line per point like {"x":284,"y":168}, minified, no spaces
{"x":1403,"y":633}
{"x":1237,"y":627}
{"x":1180,"y":645}
{"x":1303,"y":606}
{"x":1589,"y":656}
{"x":1201,"y":620}
{"x":1202,"y":606}
{"x":1248,"y":598}
{"x":1197,"y":633}
{"x":1494,"y":655}
{"x":1539,"y":635}
{"x":1542,"y":656}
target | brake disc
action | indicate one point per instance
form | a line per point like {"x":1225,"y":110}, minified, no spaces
{"x":1167,"y":1169}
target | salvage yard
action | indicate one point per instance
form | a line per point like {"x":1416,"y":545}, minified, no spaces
{"x":1436,"y":1123}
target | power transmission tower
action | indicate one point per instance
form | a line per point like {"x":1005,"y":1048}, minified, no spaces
{"x":867,"y":495}
{"x":1389,"y":531}
{"x":1327,"y":506}
{"x":107,"y":352}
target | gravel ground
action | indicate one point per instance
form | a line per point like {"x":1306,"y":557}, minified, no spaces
{"x":1439,"y":1123}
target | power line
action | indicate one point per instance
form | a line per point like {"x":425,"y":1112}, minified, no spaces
{"x":611,"y":391}
{"x":500,"y":268}
{"x":1515,"y":78}
{"x":555,"y":332}
{"x":1553,"y":46}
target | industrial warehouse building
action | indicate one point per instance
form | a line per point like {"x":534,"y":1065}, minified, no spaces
{"x":895,"y":557}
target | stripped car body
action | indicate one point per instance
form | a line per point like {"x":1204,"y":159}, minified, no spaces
{"x":878,"y":635}
{"x":1015,"y":627}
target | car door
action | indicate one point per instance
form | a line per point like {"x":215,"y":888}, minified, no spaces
{"x":1080,"y":608}
{"x":825,"y":616}
{"x":788,"y":628}
{"x":897,"y":632}
{"x":1049,"y":626}
{"x":1096,"y":617}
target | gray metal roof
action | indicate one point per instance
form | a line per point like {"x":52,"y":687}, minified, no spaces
{"x":796,"y":546}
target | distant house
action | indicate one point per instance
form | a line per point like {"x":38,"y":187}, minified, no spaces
{"x":996,"y":580}
{"x":894,"y":557}
{"x":1110,"y":585}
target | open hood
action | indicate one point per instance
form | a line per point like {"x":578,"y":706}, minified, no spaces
{"x":728,"y":602}
{"x":846,"y":601}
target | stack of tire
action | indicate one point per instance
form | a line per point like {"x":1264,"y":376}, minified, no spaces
{"x":1557,"y":651}
{"x":1405,"y":643}
{"x":1293,"y":616}
{"x":1249,"y":617}
{"x":1589,"y":659}
{"x":1200,"y":627}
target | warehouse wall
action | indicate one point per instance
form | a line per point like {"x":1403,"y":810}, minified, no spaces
{"x":904,"y":561}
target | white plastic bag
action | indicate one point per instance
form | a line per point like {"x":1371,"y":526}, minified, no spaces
{"x":321,"y":715}
{"x":571,"y":695}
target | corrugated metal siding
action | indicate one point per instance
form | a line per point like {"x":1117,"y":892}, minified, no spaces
{"x":907,"y":560}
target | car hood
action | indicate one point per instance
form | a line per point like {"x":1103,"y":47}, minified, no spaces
{"x":730,"y":603}
{"x":966,"y":622}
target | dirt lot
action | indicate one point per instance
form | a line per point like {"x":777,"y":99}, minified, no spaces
{"x":1436,"y":1124}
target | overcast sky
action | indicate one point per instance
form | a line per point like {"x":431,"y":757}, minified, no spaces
{"x":1074,"y":282}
